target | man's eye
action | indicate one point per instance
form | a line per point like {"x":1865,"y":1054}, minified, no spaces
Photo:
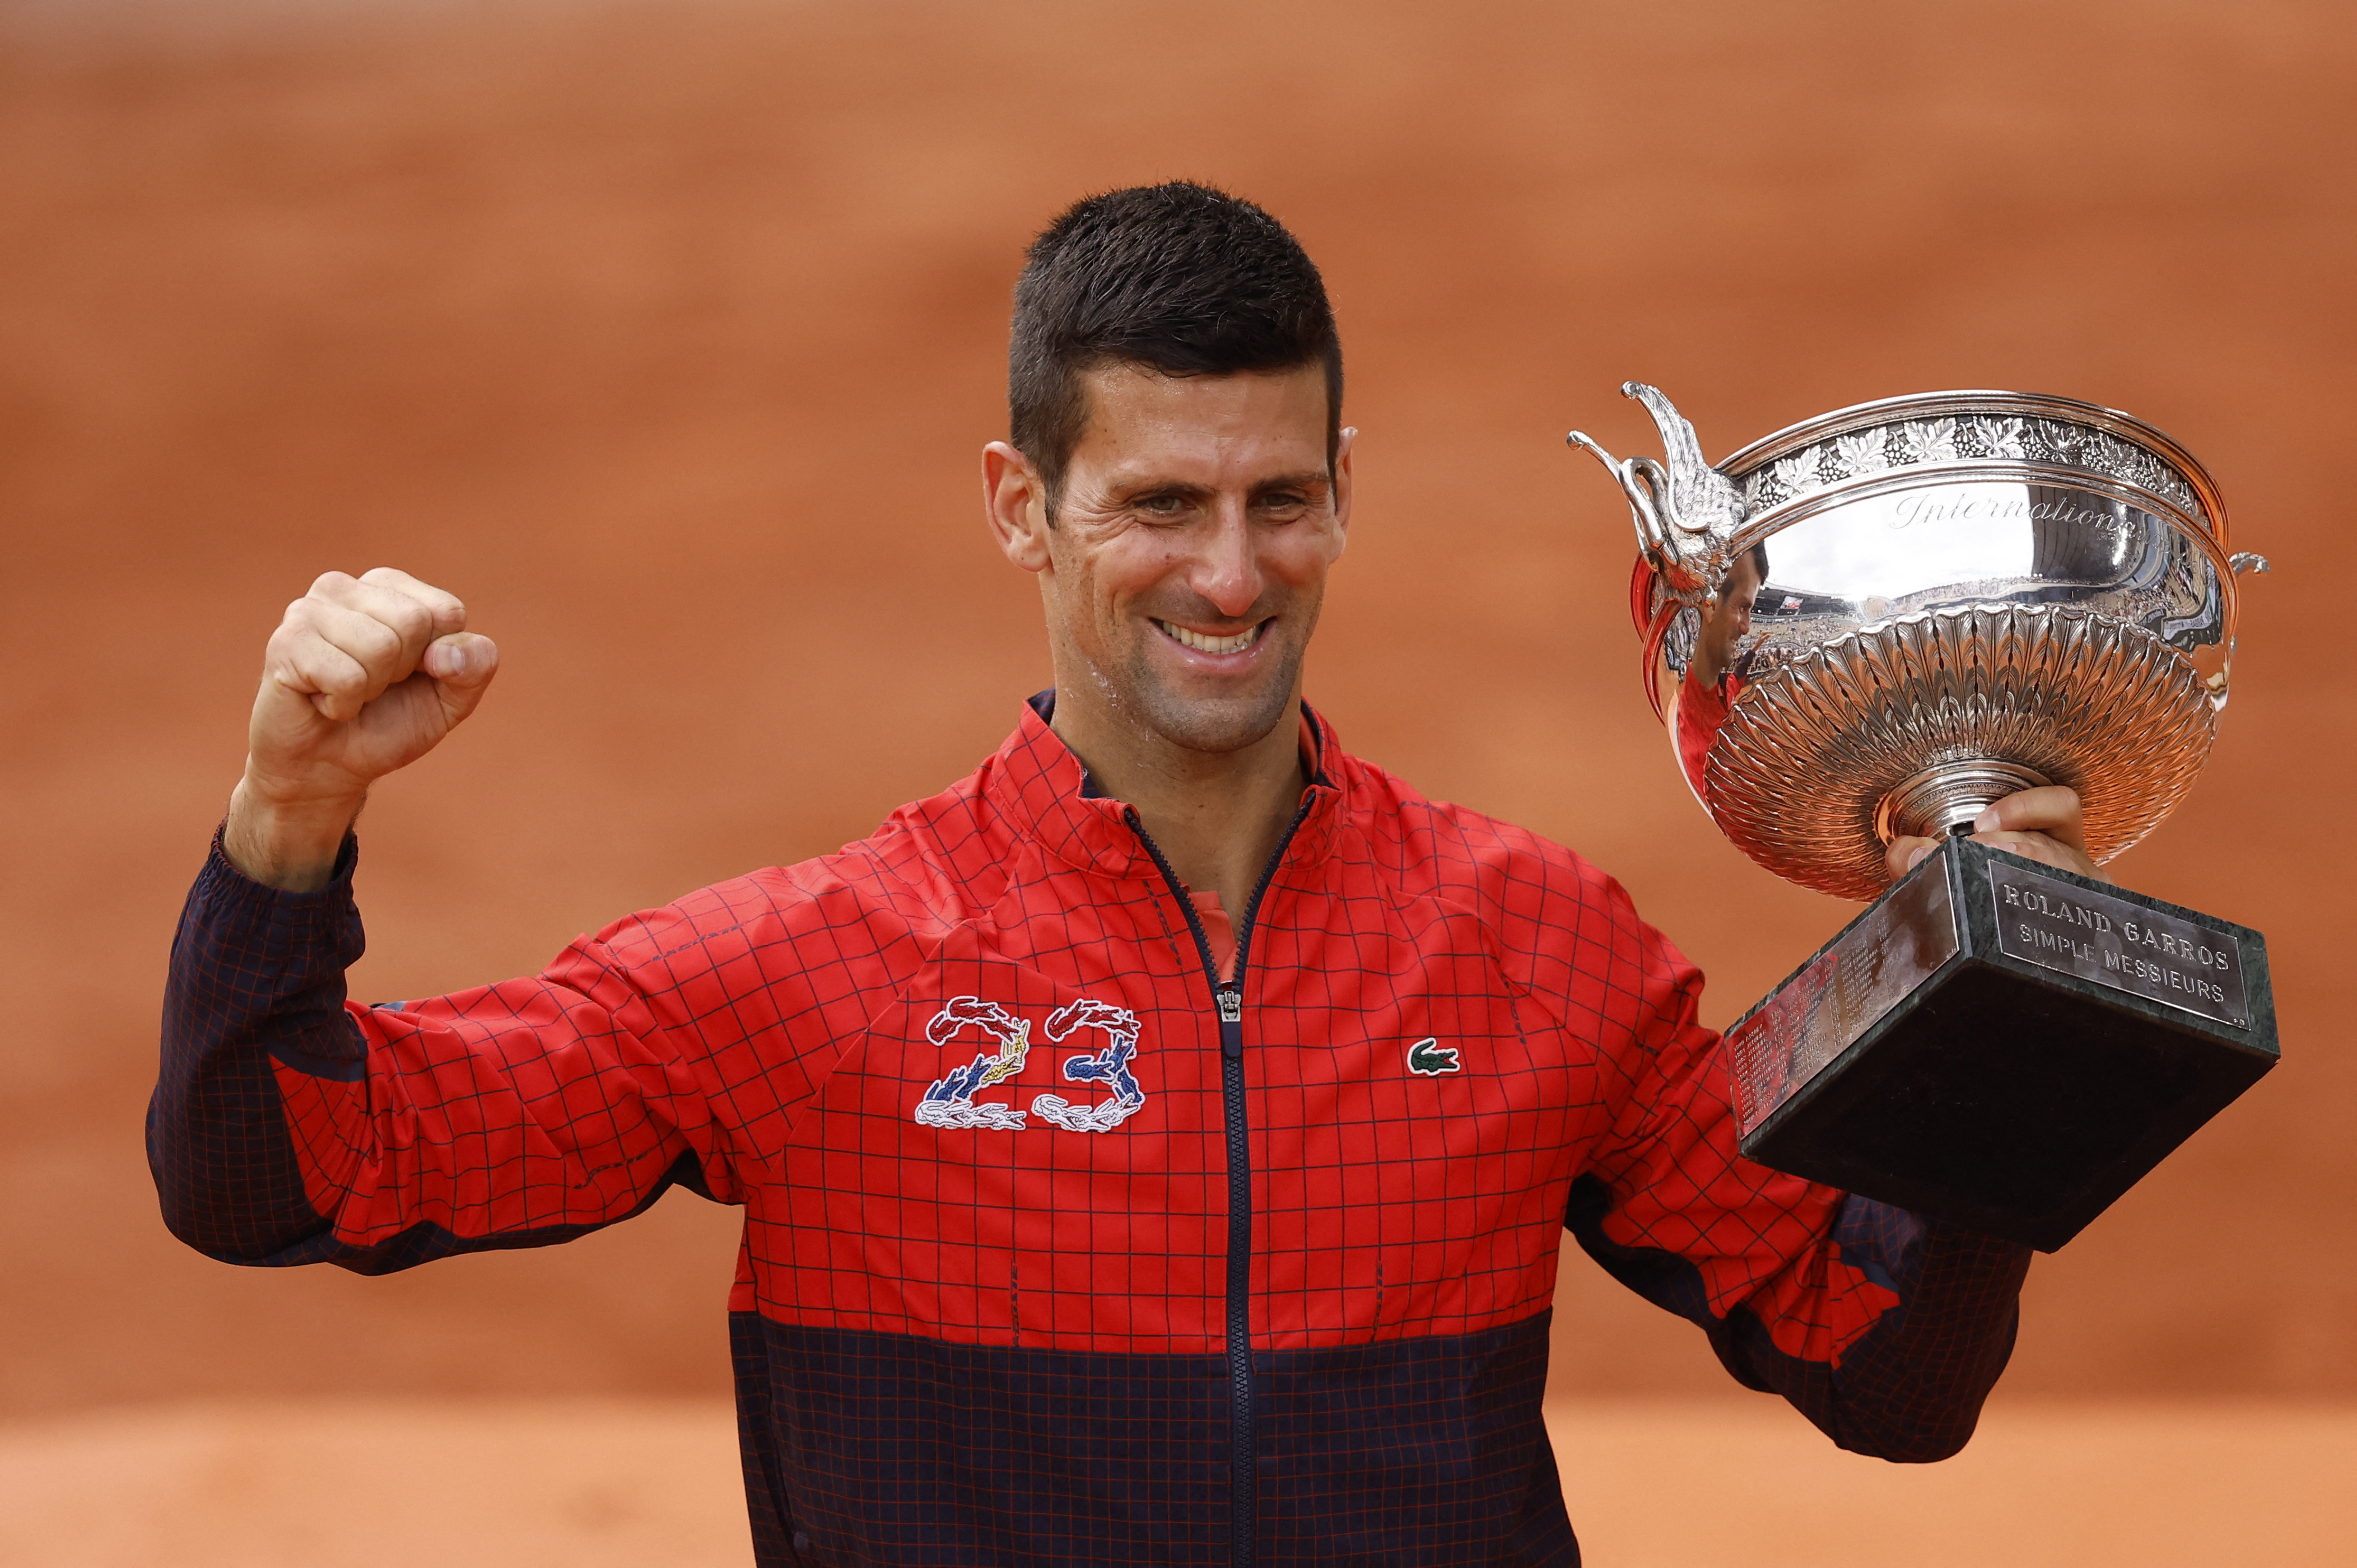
{"x":1162,"y":506}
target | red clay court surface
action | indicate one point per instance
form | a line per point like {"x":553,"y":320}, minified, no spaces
{"x":667,"y":338}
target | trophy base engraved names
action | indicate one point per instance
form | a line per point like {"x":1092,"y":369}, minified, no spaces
{"x":2002,"y":1045}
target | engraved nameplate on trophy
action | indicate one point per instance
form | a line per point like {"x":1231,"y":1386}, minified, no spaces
{"x":2181,"y":962}
{"x":1874,"y":624}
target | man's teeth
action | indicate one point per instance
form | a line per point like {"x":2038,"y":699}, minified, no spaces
{"x":1202,"y":644}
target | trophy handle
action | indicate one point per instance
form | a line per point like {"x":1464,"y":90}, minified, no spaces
{"x":1646,"y":487}
{"x":1686,"y":510}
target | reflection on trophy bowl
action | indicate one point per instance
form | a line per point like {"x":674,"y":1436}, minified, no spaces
{"x":1965,"y":594}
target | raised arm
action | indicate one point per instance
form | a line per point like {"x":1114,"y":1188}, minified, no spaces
{"x":288,"y":1126}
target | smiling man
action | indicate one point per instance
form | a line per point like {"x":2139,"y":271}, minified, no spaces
{"x":1155,"y":1147}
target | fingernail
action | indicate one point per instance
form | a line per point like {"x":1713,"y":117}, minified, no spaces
{"x":1985,"y":820}
{"x":1915,"y":857}
{"x":442,"y":661}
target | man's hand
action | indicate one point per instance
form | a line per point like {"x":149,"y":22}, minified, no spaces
{"x":365,"y":675}
{"x":2042,"y":824}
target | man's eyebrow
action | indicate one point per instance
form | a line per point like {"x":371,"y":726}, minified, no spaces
{"x":1311,"y":479}
{"x":1132,"y":489}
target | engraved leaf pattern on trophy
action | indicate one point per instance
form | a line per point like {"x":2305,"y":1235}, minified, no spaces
{"x":2060,"y":439}
{"x":2100,"y":453}
{"x":1990,"y":436}
{"x":2105,"y":454}
{"x":1795,"y":474}
{"x":1931,"y":440}
{"x":1882,"y":449}
{"x":2177,"y":490}
{"x":1864,"y":453}
{"x":2120,"y":459}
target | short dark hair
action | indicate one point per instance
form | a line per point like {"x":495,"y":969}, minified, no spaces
{"x":1181,"y":278}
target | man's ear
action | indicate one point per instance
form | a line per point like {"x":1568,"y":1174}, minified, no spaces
{"x":1014,"y":503}
{"x":1342,"y":444}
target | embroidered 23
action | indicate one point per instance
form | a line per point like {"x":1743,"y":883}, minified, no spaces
{"x":949,"y":1103}
{"x":1109,"y":1067}
{"x":949,"y":1100}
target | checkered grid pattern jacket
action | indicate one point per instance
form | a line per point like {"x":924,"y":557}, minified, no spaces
{"x":1058,"y":1248}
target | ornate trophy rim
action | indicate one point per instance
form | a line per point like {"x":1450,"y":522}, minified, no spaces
{"x":1749,"y":459}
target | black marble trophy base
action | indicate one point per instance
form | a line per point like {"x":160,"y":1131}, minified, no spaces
{"x":2003,"y":1044}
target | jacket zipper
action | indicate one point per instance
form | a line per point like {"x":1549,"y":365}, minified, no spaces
{"x":1229,"y":998}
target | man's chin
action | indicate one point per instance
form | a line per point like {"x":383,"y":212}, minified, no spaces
{"x":1216,"y":726}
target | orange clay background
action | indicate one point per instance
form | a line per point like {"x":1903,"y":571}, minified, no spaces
{"x":668,"y":336}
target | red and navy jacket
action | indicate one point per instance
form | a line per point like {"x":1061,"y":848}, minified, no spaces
{"x":1066,"y":1242}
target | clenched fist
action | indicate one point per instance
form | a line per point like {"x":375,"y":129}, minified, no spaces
{"x":365,"y":675}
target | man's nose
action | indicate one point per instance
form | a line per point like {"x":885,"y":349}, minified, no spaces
{"x":1227,"y":569}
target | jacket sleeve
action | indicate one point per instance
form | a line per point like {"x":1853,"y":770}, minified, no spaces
{"x":1886,"y":1330}
{"x":290,"y":1126}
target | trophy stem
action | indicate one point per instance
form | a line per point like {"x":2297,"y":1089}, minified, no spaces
{"x":1942,"y":799}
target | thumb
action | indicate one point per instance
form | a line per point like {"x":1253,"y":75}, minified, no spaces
{"x":2053,"y":810}
{"x":462,"y":665}
{"x":1905,"y":853}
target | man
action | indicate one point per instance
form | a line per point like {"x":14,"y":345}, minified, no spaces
{"x":1153,"y":1148}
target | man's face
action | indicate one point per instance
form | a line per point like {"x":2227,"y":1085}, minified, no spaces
{"x":1184,"y":571}
{"x":1727,"y":619}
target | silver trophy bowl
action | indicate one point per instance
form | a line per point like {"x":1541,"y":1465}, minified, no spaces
{"x":1967,"y":593}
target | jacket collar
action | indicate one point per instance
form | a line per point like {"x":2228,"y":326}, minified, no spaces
{"x":1041,"y":789}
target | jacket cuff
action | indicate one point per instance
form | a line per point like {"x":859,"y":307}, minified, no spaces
{"x":226,"y":888}
{"x":270,"y":962}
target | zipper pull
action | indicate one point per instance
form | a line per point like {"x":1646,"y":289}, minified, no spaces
{"x":1232,"y":1022}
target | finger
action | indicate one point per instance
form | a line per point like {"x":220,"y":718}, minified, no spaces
{"x":2051,"y":808}
{"x":462,"y":666}
{"x":462,"y":658}
{"x":380,"y":650}
{"x":2046,"y":849}
{"x":1906,"y":853}
{"x":448,"y":613}
{"x":336,"y":683}
{"x":415,"y":620}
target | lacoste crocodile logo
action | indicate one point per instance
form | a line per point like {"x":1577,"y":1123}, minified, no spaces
{"x":1430,"y":1058}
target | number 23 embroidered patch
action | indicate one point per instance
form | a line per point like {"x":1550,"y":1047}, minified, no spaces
{"x":949,"y":1100}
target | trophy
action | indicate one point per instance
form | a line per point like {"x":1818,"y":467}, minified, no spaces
{"x":1876,"y":622}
